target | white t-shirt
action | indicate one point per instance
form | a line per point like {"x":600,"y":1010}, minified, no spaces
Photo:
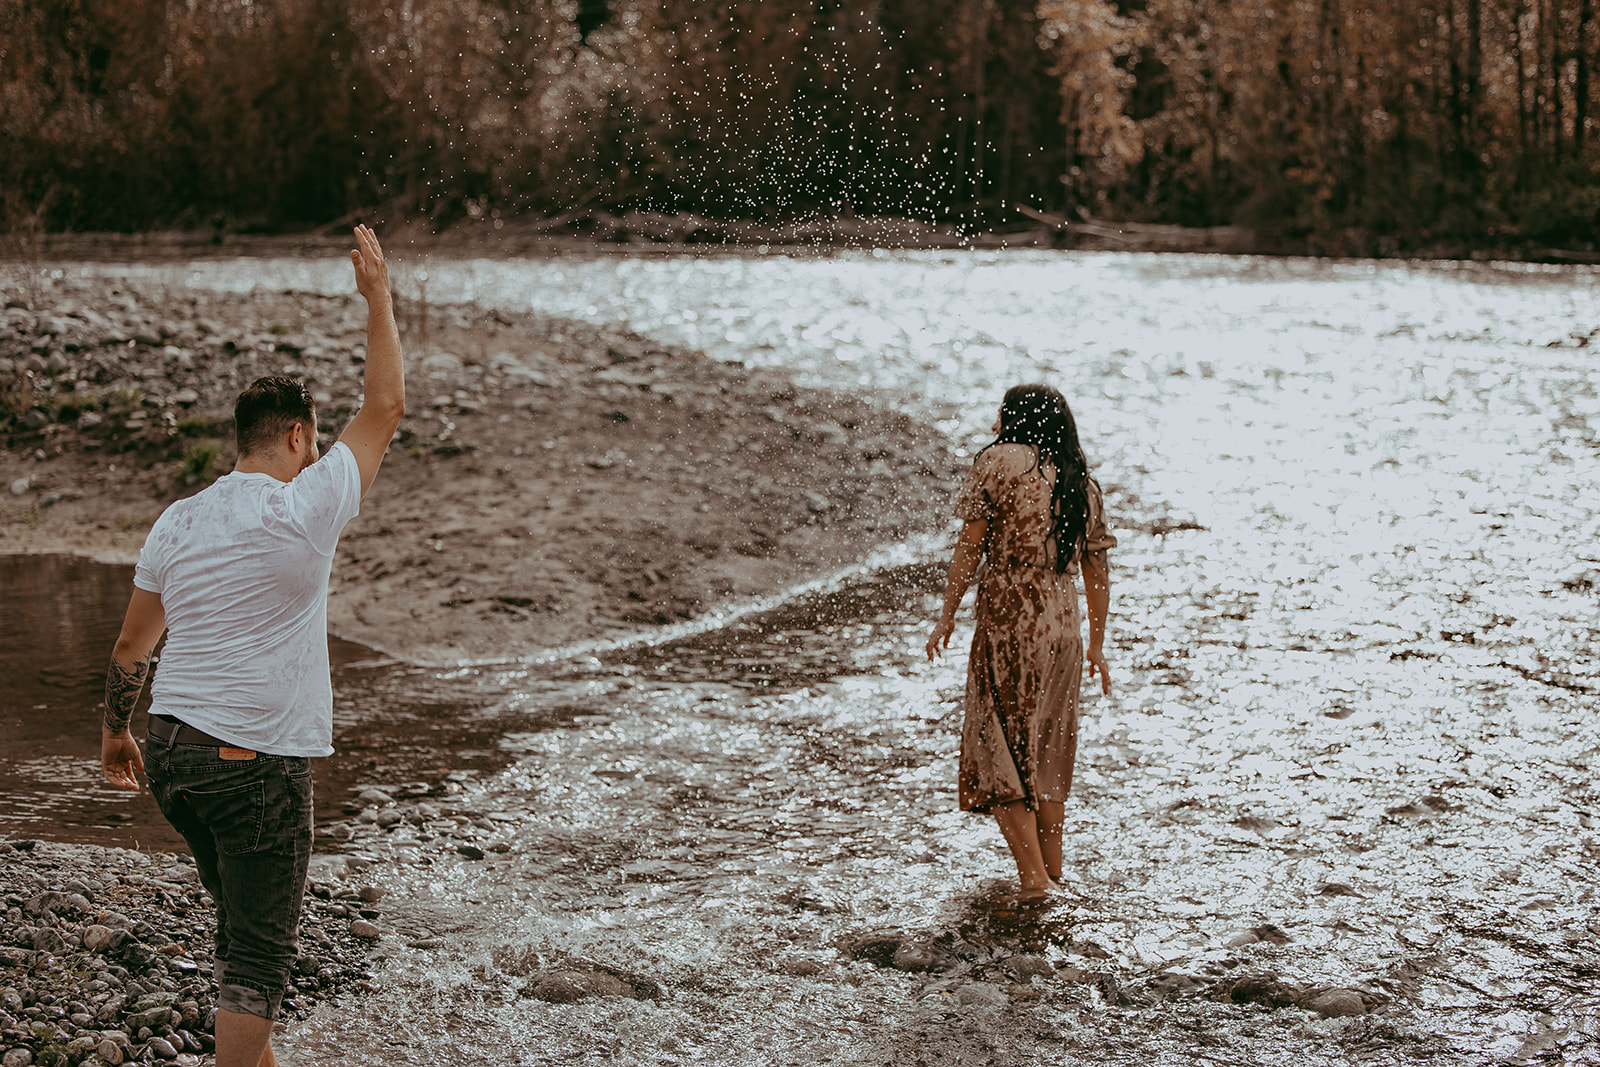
{"x":242,"y":571}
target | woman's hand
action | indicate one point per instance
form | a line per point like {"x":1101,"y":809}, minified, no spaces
{"x":941,"y":636}
{"x":1096,"y":662}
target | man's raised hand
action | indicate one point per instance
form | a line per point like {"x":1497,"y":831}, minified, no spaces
{"x":372,"y":273}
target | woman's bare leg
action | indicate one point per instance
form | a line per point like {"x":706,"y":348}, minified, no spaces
{"x":1021,"y":831}
{"x":1048,"y":820}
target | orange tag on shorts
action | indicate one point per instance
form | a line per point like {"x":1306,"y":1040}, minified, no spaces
{"x":235,"y":753}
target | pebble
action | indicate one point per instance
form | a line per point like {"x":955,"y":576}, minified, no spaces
{"x":570,"y":986}
{"x":162,"y":1047}
{"x":20,"y":486}
{"x":1024,"y":968}
{"x":362,"y":928}
{"x":981,"y":995}
{"x":109,"y":1051}
{"x":1336,"y":1004}
{"x":914,"y":956}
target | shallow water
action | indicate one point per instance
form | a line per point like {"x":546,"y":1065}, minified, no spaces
{"x":1355,"y":602}
{"x":394,"y":723}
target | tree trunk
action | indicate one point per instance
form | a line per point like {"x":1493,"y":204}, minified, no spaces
{"x":1580,"y":89}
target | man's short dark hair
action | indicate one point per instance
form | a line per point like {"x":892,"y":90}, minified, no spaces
{"x":268,"y":409}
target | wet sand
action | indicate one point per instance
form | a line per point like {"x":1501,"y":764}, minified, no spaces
{"x":552,"y":483}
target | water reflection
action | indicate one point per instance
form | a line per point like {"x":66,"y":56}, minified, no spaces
{"x":393,"y":723}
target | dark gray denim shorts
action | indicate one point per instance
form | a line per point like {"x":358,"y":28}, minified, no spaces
{"x":248,"y":823}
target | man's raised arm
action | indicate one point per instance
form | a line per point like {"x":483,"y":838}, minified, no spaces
{"x":369,"y":433}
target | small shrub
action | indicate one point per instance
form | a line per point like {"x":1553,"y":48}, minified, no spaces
{"x":125,"y":399}
{"x":199,"y":464}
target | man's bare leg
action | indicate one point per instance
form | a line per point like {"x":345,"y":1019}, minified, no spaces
{"x":244,"y":1040}
{"x":1021,"y":831}
{"x":1048,"y":820}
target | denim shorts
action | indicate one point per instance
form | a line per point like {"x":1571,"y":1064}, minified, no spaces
{"x":248,"y":823}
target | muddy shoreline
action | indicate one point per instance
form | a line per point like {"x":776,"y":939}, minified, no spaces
{"x":552,"y":483}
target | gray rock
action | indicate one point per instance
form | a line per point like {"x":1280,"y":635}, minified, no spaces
{"x":370,"y":893}
{"x":17,"y":1057}
{"x":49,"y":499}
{"x":801,"y":967}
{"x":89,"y":420}
{"x":980,"y":995}
{"x":388,"y":817}
{"x":1336,"y":1003}
{"x":57,"y":903}
{"x":20,"y":486}
{"x":471,"y":852}
{"x":913,"y":956}
{"x":152,"y":1018}
{"x":55,"y":363}
{"x":163,"y":1048}
{"x":1175,"y":983}
{"x":81,"y":1046}
{"x":570,"y":986}
{"x":1024,"y":968}
{"x":35,"y":419}
{"x":47,"y":940}
{"x":109,"y":1051}
{"x":186,"y":397}
{"x":363,"y":929}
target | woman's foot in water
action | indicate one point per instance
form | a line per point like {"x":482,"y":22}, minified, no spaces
{"x":1033,"y":894}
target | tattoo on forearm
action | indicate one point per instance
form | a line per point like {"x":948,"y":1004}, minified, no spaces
{"x":123,"y":686}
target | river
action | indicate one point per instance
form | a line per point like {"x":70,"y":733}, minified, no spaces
{"x":1351,"y":741}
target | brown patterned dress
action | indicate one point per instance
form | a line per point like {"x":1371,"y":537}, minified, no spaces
{"x":1020,"y":735}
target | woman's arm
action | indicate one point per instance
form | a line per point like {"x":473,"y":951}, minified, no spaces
{"x":1097,"y":591}
{"x":969,"y":552}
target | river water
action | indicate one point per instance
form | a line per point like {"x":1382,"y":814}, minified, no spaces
{"x":1355,"y":604}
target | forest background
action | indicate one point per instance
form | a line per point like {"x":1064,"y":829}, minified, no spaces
{"x":1336,"y":125}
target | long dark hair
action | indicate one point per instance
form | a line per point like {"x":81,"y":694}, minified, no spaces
{"x":1038,"y":415}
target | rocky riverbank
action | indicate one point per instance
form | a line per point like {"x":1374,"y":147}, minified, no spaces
{"x":107,"y":953}
{"x":552,"y":483}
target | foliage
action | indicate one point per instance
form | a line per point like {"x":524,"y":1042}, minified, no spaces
{"x":199,"y":463}
{"x":1444,"y":120}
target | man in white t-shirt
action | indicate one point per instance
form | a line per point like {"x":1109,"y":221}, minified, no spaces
{"x":237,"y":578}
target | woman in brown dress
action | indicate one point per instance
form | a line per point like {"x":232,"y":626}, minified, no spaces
{"x":1034,"y":519}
